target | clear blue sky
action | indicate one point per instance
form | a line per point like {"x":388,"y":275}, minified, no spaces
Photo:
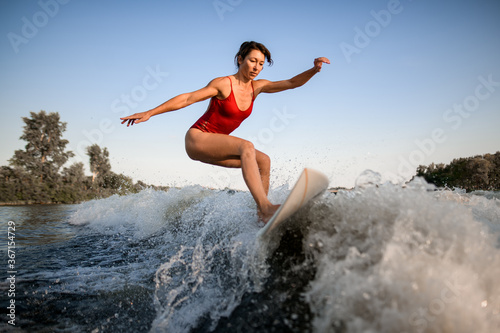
{"x":411,"y":82}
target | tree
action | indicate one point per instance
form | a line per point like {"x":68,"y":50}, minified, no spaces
{"x":17,"y":184}
{"x":480,"y":169}
{"x":9,"y":184}
{"x":99,"y":162}
{"x":74,"y":188}
{"x":34,"y":174}
{"x":494,"y":174}
{"x":472,"y":173}
{"x":44,"y":153}
{"x":74,"y":174}
{"x":118,"y":183}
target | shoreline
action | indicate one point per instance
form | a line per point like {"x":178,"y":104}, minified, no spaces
{"x":32,"y":203}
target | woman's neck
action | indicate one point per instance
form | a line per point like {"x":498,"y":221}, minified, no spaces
{"x":241,"y":80}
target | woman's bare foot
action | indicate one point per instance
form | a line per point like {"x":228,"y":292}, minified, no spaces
{"x":266,"y":213}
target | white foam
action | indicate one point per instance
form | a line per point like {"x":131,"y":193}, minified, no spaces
{"x":405,"y":260}
{"x":145,"y":213}
{"x":213,"y":268}
{"x":388,"y":258}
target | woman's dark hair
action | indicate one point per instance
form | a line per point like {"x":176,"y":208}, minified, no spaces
{"x":245,"y":49}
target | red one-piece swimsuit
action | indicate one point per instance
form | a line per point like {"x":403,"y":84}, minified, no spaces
{"x":223,"y":115}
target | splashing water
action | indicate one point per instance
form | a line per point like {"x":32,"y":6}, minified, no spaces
{"x":379,"y":258}
{"x":392,"y":260}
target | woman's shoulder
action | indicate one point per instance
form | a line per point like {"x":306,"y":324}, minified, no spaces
{"x":221,"y":82}
{"x":223,"y":86}
{"x":221,"y":79}
{"x":259,"y":84}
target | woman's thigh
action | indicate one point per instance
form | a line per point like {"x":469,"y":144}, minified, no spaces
{"x":215,"y":148}
{"x":219,"y":149}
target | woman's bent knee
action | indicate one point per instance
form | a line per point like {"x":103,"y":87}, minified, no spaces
{"x":247,"y":146}
{"x":247,"y":150}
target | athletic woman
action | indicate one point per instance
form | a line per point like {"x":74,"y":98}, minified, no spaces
{"x":232,"y":98}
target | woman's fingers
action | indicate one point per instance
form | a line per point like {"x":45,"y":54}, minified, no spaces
{"x":318,"y":62}
{"x":136,"y":118}
{"x":127,"y":119}
{"x":325,"y":60}
{"x":322,"y":59}
{"x":133,"y":119}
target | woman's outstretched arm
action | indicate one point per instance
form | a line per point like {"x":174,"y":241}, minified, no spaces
{"x":176,"y":103}
{"x":266,"y":86}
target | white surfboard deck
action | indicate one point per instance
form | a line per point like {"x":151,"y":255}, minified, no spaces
{"x":310,"y":184}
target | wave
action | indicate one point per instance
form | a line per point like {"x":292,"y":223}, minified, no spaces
{"x":381,"y":258}
{"x":391,"y":259}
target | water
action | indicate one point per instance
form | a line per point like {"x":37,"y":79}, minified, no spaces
{"x":380,"y":258}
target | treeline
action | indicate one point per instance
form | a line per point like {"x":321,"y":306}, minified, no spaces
{"x":36,"y":174}
{"x":481,"y":172}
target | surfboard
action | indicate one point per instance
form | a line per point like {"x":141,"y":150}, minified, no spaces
{"x":310,"y":184}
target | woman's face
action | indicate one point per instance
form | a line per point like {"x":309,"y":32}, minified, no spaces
{"x":252,"y":64}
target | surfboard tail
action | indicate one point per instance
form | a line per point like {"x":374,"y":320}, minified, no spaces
{"x":310,"y":183}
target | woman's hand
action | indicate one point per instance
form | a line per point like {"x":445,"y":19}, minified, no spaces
{"x":136,"y":118}
{"x":318,"y":62}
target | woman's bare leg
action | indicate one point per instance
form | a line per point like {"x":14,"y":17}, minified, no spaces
{"x":263,"y":162}
{"x":233,"y":152}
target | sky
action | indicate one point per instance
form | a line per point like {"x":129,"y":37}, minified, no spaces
{"x":410,"y":83}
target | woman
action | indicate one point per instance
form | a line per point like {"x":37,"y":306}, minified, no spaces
{"x":232,"y":97}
